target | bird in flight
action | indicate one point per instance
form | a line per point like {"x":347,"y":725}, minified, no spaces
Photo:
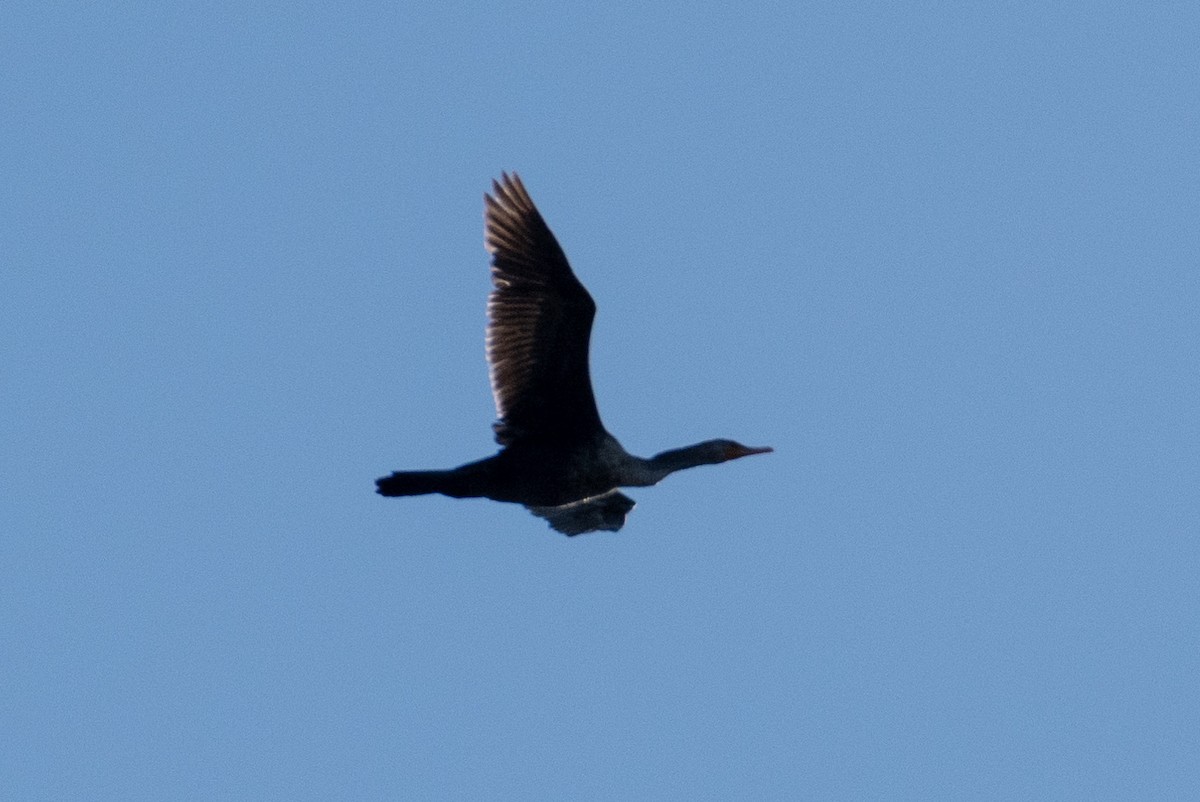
{"x":557,"y":458}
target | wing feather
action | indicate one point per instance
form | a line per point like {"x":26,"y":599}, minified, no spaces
{"x":603,"y":513}
{"x":539,"y":324}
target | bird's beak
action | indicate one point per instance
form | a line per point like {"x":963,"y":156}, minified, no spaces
{"x":745,"y":451}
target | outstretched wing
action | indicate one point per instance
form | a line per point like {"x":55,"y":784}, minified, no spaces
{"x":539,"y":324}
{"x":605,"y":512}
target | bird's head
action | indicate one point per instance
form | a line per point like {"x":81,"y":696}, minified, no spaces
{"x":710,"y":452}
{"x":726,"y":450}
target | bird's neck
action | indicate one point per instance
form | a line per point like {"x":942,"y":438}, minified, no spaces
{"x":662,"y":465}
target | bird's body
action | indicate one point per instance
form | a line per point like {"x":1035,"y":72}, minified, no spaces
{"x":558,"y":460}
{"x":534,"y":473}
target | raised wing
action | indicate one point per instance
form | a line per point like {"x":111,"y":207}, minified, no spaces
{"x":605,"y":513}
{"x":539,"y":324}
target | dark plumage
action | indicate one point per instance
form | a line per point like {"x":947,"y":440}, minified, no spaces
{"x":557,"y":460}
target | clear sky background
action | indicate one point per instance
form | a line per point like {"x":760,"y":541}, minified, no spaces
{"x":944,"y":257}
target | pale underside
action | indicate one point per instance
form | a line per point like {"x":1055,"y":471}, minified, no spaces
{"x":605,"y":513}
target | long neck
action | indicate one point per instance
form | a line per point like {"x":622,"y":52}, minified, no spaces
{"x":653,"y":470}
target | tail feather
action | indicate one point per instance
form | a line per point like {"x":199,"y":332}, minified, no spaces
{"x":411,"y":483}
{"x":466,"y":481}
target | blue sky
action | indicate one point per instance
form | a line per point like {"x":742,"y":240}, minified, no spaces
{"x":943,"y":257}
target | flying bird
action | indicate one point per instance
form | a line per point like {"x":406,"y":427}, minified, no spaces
{"x":557,"y":458}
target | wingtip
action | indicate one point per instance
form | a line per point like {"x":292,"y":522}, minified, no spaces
{"x":510,"y":191}
{"x":506,"y":179}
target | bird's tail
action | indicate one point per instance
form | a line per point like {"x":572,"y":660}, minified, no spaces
{"x":412,"y":483}
{"x":466,"y":481}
